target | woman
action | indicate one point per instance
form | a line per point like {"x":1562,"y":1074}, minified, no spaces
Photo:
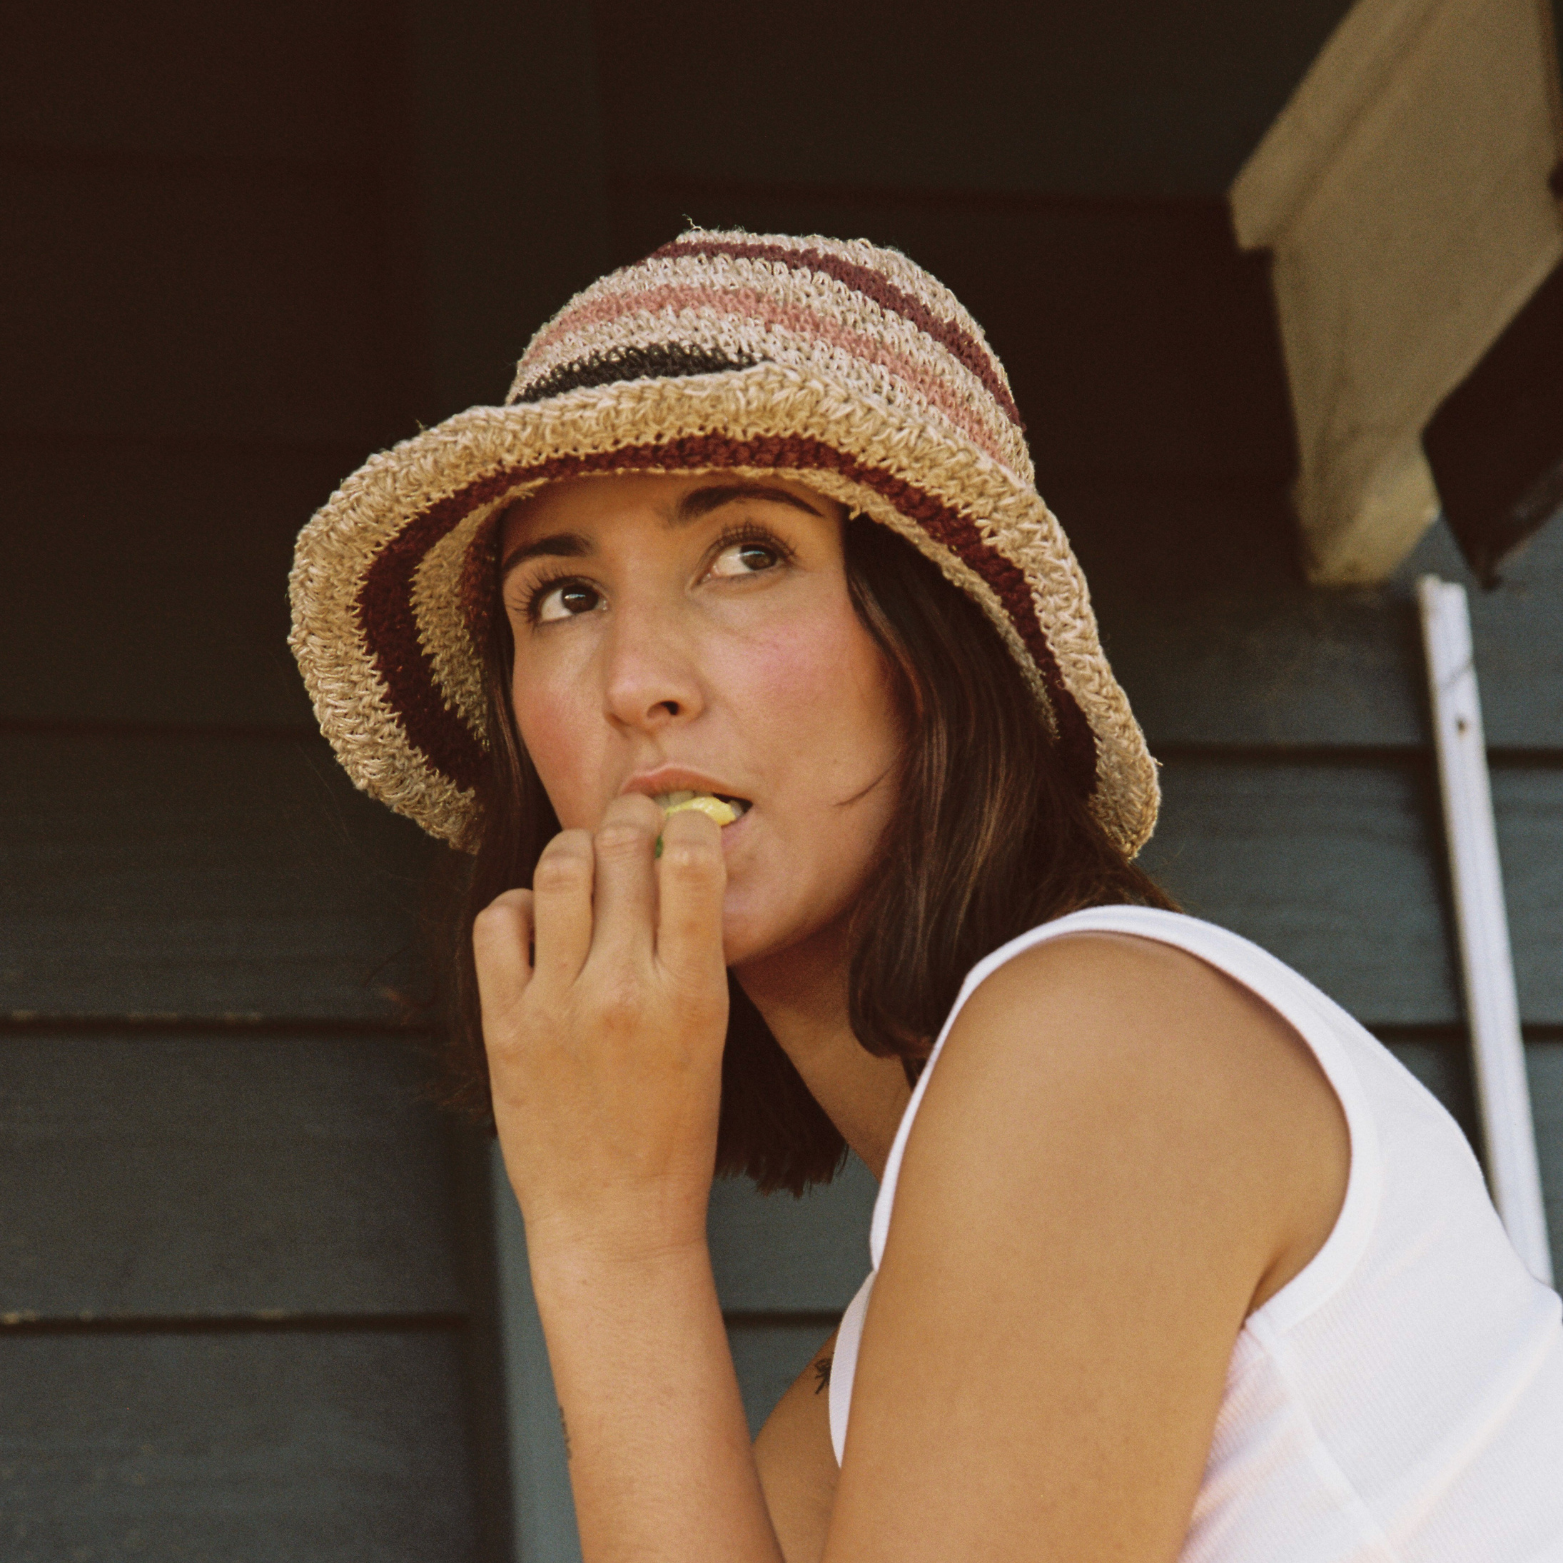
{"x":740,"y":649}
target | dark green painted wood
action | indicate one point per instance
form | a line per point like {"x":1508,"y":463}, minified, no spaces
{"x":1442,"y":1062}
{"x":1215,"y":640}
{"x":198,"y":877}
{"x":268,"y":1448}
{"x":181,"y":876}
{"x":1544,"y":1065}
{"x":161,"y":81}
{"x":1338,"y":870}
{"x":541,"y":1502}
{"x":212,"y":319}
{"x":1332,"y":868}
{"x":1109,"y":99}
{"x":1218,"y":641}
{"x":1529,"y":809}
{"x":774,"y":1253}
{"x":158,"y":591}
{"x":768,"y":1356}
{"x":222,"y":1174}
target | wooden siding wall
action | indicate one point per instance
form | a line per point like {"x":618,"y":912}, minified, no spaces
{"x":242,"y":1266}
{"x":245,"y":1276}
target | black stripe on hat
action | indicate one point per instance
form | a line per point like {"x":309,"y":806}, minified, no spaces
{"x":665,"y":361}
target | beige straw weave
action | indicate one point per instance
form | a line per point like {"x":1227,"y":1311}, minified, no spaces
{"x":839,"y":364}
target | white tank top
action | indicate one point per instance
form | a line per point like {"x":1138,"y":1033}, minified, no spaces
{"x":1399,"y":1399}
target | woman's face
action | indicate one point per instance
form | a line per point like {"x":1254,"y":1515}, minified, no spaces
{"x":696,"y":633}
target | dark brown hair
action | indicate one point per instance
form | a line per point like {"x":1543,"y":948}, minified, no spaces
{"x":989,"y":839}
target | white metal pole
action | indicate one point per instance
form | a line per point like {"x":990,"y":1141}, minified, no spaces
{"x":1486,"y":961}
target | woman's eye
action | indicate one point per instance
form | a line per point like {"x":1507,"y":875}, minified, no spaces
{"x":566,"y":600}
{"x":746,"y":559}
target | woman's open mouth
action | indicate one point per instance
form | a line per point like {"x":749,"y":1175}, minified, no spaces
{"x":723,"y":809}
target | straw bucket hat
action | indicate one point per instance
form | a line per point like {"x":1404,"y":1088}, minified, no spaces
{"x":841,"y":365}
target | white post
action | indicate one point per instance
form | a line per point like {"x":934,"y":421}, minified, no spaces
{"x":1487,"y":964}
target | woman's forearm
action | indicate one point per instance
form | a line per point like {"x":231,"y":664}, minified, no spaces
{"x":660,"y":1458}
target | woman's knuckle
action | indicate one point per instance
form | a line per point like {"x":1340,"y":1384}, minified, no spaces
{"x":561,"y":870}
{"x":691,"y":859}
{"x":619,"y":1009}
{"x":503,"y":908}
{"x":621,"y":838}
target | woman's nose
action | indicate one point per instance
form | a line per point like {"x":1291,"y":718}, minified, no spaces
{"x":651,"y":673}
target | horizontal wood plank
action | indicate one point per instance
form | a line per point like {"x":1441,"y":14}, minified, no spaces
{"x":221,"y":1174}
{"x":1217,"y":640}
{"x":1544,"y":1065}
{"x":1338,"y":870}
{"x":199,"y":877}
{"x":192,"y":877}
{"x":274,"y":1448}
{"x":166,"y":603}
{"x":225,"y":287}
{"x":172,"y":606}
{"x":1332,"y":868}
{"x":775,"y":1253}
{"x":1443,"y":1064}
{"x":311,"y":87}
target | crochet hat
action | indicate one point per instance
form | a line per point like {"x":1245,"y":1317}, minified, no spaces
{"x":838,"y":364}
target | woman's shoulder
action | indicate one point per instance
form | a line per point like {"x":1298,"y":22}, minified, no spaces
{"x":1198,"y":989}
{"x":1098,"y":1054}
{"x":1095,"y":996}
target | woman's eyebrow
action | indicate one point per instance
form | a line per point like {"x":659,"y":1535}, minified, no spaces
{"x":558,"y":545}
{"x":702,"y":501}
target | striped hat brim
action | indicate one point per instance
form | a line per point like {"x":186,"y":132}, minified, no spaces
{"x":394,"y":575}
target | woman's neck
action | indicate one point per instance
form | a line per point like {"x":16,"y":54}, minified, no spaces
{"x":802,"y":995}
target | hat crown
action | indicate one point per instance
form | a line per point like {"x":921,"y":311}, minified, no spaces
{"x":845,"y":311}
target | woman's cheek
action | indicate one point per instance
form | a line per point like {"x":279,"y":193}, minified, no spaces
{"x":554,"y":729}
{"x":820,"y":701}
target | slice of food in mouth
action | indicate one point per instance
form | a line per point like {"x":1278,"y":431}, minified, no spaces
{"x":722,"y":809}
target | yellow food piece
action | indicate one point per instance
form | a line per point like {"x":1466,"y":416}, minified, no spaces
{"x":712,"y":808}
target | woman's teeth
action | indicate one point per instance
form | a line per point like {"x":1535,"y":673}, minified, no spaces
{"x":723,"y":810}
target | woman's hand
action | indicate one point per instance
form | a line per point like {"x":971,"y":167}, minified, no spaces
{"x":605,"y":1047}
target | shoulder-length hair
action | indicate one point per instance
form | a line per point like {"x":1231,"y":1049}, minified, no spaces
{"x":988,"y":839}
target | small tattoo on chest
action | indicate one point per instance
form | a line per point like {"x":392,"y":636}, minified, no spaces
{"x":822,"y":1374}
{"x":564,"y":1427}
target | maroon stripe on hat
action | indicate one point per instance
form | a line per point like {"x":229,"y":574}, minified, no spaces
{"x":384,"y":603}
{"x":873,"y":285}
{"x":384,"y":612}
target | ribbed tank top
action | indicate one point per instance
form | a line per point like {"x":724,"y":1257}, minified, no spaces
{"x":1399,"y":1399}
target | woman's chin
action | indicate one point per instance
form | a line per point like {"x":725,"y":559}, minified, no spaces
{"x":752,"y":931}
{"x":744,"y":937}
{"x":754,"y":934}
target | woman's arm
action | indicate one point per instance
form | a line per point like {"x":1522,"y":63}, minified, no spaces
{"x":660,"y":1458}
{"x":798,"y":1468}
{"x":605,"y":1056}
{"x":1120,"y":1154}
